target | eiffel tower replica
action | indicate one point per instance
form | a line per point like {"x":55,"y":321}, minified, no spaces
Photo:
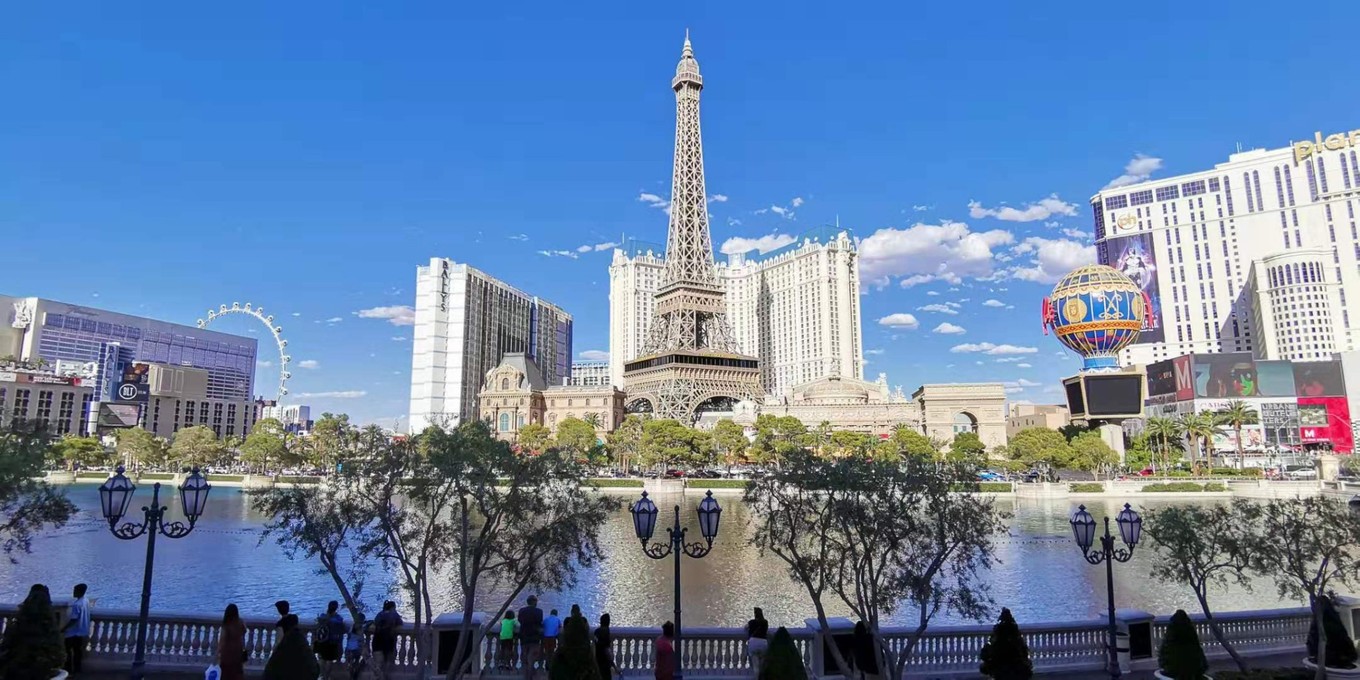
{"x":690,"y":356}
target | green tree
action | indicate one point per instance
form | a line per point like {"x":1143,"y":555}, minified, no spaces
{"x":574,"y":659}
{"x":82,"y":451}
{"x":1040,"y":446}
{"x":1168,"y":435}
{"x":331,"y":442}
{"x":968,"y":447}
{"x":1091,"y":454}
{"x":1181,"y":656}
{"x":906,"y":443}
{"x":1006,"y":656}
{"x":625,"y":443}
{"x":197,"y":446}
{"x":1237,"y":414}
{"x":730,"y":441}
{"x":1200,"y":428}
{"x":877,"y":536}
{"x":577,"y":437}
{"x":592,"y":419}
{"x":141,"y":448}
{"x":1341,"y":652}
{"x":1307,"y":546}
{"x":783,"y":661}
{"x":667,"y":443}
{"x":27,"y":503}
{"x":848,"y":443}
{"x":533,"y":438}
{"x":268,"y":442}
{"x":1204,"y":547}
{"x":821,"y":437}
{"x":1139,"y":454}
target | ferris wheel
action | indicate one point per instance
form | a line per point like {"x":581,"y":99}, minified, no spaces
{"x":268,"y":321}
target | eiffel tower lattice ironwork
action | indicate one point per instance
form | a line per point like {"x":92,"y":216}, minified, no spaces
{"x":690,"y":356}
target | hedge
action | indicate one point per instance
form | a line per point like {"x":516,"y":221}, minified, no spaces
{"x":1173,"y":487}
{"x":1234,"y":472}
{"x":92,"y":475}
{"x":983,"y":487}
{"x":614,"y":483}
{"x":1215,"y":486}
{"x":157,"y":476}
{"x":1086,"y":487}
{"x":297,"y":479}
{"x":226,"y":478}
{"x":715,"y":483}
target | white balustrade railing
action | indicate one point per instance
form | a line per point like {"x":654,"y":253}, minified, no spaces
{"x":188,"y":642}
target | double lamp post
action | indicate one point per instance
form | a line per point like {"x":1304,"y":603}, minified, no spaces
{"x":1130,"y":530}
{"x":644,"y":523}
{"x":115,"y":495}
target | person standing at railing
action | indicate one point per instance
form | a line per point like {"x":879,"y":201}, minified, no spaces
{"x":292,"y":659}
{"x":330,"y":628}
{"x":354,"y":649}
{"x":604,"y":649}
{"x":552,"y":627}
{"x":530,"y":636}
{"x":231,"y":645}
{"x":282,"y":607}
{"x":506,"y":651}
{"x":77,"y":630}
{"x":665,"y":652}
{"x":385,"y":626}
{"x":757,"y":642}
{"x":865,"y":653}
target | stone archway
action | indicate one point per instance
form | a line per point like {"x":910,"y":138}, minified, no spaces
{"x":965,"y":422}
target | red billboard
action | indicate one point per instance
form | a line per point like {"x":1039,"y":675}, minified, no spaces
{"x":1326,"y":420}
{"x":1185,"y":377}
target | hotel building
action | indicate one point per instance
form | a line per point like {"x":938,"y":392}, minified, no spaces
{"x":1254,"y":255}
{"x":796,"y":308}
{"x":465,"y":322}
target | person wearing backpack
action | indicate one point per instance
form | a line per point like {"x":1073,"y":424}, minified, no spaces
{"x":330,"y":629}
{"x":530,"y":636}
{"x":385,"y":626}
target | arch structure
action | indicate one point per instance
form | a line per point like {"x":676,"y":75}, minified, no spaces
{"x":965,"y":422}
{"x":276,"y":331}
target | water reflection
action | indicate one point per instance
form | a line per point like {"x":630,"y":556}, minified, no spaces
{"x":1041,"y":577}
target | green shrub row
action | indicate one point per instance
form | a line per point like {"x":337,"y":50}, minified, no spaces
{"x":1234,"y":472}
{"x":92,"y":475}
{"x":1215,"y":486}
{"x":226,"y":478}
{"x":157,"y":476}
{"x":614,"y":483}
{"x":297,"y":479}
{"x":1190,"y":487}
{"x":716,"y":483}
{"x":1086,"y":487}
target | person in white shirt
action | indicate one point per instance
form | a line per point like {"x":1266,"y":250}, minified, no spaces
{"x":77,"y":630}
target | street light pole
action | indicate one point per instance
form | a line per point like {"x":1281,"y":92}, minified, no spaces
{"x":115,"y":495}
{"x":1130,"y":529}
{"x":644,"y":522}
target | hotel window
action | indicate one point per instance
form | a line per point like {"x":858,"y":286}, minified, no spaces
{"x":1213,"y":184}
{"x":1167,"y":193}
{"x":1312,"y":179}
{"x":1346,"y":172}
{"x":1256,"y":181}
{"x":1193,"y":188}
{"x":1116,"y":202}
{"x":1246,"y":180}
{"x":1322,"y":172}
{"x":1140,"y":197}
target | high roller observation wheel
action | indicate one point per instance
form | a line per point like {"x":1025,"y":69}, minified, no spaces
{"x":268,"y":321}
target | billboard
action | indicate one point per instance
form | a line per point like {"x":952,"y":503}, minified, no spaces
{"x":1319,"y":379}
{"x":1133,"y":256}
{"x":118,"y":415}
{"x":135,"y":384}
{"x":1280,"y":420}
{"x":1226,"y":376}
{"x":1326,"y":420}
{"x":1184,"y":370}
{"x":1161,"y":378}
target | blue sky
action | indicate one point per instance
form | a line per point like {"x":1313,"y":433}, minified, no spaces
{"x":306,"y":156}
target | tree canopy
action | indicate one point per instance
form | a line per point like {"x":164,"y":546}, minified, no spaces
{"x":197,"y":446}
{"x":1040,"y":446}
{"x":27,"y":503}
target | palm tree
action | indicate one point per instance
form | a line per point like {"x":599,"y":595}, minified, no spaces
{"x":1164,"y":430}
{"x":1237,"y":414}
{"x":592,"y":419}
{"x":1200,"y":427}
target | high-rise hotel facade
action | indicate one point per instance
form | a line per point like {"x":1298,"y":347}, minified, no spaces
{"x":796,"y":309}
{"x":465,"y":322}
{"x":1255,"y":255}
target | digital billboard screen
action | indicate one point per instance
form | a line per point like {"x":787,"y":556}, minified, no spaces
{"x":1133,"y":256}
{"x":1114,"y":395}
{"x":1076,"y":404}
{"x":1319,"y":379}
{"x":118,"y":415}
{"x":1161,"y":378}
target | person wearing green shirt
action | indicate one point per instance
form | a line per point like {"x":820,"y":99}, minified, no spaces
{"x":507,"y":648}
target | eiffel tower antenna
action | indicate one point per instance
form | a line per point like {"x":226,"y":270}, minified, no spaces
{"x":690,"y":356}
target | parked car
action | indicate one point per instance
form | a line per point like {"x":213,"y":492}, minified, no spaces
{"x":1146,"y":472}
{"x":990,"y":476}
{"x":674,"y":474}
{"x":1299,"y":472}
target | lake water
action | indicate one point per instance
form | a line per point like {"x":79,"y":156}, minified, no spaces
{"x":1041,"y":577}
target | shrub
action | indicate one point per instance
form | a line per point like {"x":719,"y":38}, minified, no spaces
{"x":32,"y":646}
{"x":608,"y":483}
{"x":1234,"y":472}
{"x":1086,"y":487}
{"x":1006,"y":656}
{"x":1174,"y":487}
{"x":715,"y":483}
{"x":1341,"y":651}
{"x":1215,"y":486}
{"x":995,"y":487}
{"x":574,"y":659}
{"x":156,"y":476}
{"x":226,"y":478}
{"x":1179,"y":473}
{"x":1181,"y":656}
{"x":782,"y":661}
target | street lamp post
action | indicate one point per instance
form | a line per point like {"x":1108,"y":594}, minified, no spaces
{"x":1084,"y":531}
{"x":644,"y":523}
{"x":115,"y":495}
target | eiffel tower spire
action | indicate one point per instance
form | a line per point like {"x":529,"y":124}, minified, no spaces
{"x":690,"y":360}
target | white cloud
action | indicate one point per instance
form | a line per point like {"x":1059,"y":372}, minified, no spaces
{"x":947,"y":328}
{"x":343,"y":394}
{"x":989,"y":348}
{"x":942,"y":309}
{"x":955,"y":305}
{"x":336,"y":319}
{"x":1081,"y":234}
{"x":993,"y":303}
{"x":764,"y":244}
{"x":873,"y":351}
{"x":594,"y":355}
{"x":558,"y":253}
{"x":733,"y":222}
{"x":309,"y":363}
{"x":928,"y":252}
{"x":797,"y":201}
{"x":398,"y":338}
{"x":717,"y":198}
{"x":1032,"y":212}
{"x":1024,"y":366}
{"x":297,"y":313}
{"x":397,"y":315}
{"x":652,"y":200}
{"x":596,"y":247}
{"x":518,"y":237}
{"x":1139,"y":169}
{"x":899,"y":320}
{"x":781,"y":211}
{"x":1051,"y":259}
{"x":922,"y":208}
{"x":1011,"y":389}
{"x":1009,"y":360}
{"x":264,"y":363}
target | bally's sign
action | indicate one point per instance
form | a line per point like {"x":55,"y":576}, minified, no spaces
{"x":1334,"y":142}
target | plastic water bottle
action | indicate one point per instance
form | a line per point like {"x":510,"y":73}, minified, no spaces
{"x":213,"y":673}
